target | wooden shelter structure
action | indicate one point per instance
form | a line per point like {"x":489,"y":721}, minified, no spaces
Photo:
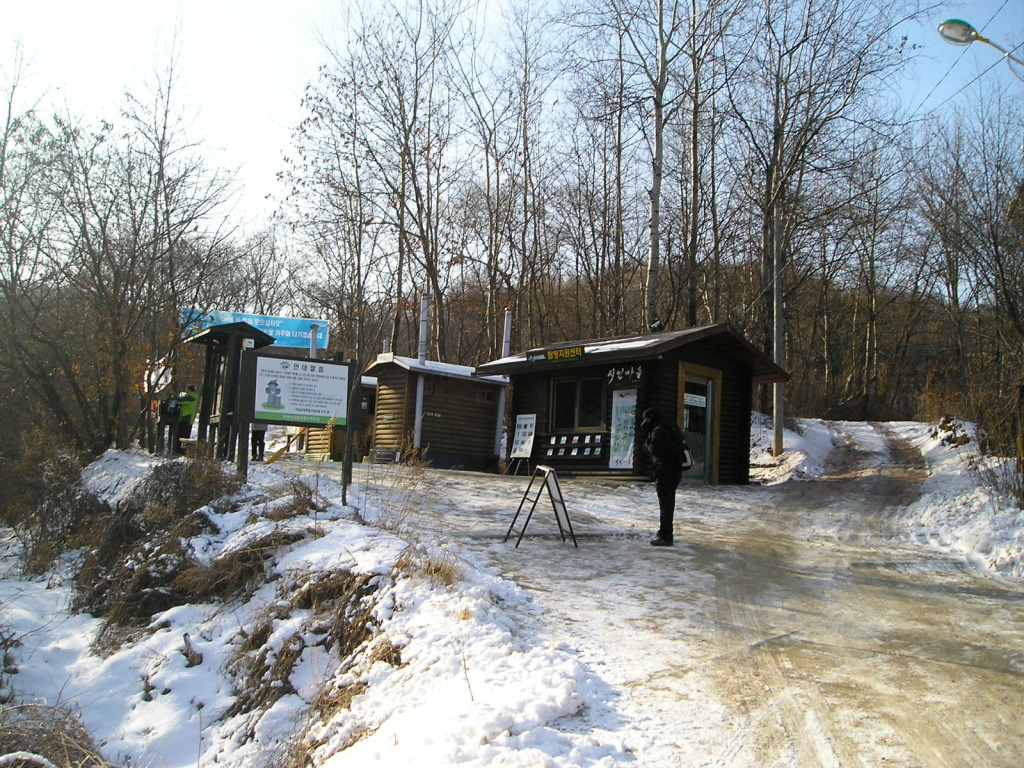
{"x":218,"y":401}
{"x":456,"y":423}
{"x":577,"y":405}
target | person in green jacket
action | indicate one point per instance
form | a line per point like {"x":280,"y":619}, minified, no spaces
{"x":187,"y":403}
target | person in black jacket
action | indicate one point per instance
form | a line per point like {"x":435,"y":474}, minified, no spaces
{"x":665,"y":446}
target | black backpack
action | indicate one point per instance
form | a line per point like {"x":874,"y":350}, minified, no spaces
{"x":679,"y":453}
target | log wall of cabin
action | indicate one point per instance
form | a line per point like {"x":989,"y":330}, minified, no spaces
{"x":460,"y":417}
{"x":395,"y":402}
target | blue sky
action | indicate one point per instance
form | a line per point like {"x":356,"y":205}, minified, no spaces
{"x":244,"y":63}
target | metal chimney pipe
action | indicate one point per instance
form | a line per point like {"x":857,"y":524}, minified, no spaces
{"x":424,"y":320}
{"x":506,"y":345}
{"x":417,"y":433}
{"x":506,"y":350}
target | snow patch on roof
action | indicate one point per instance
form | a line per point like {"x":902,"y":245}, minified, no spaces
{"x":438,"y":369}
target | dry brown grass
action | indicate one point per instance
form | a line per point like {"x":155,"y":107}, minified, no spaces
{"x":234,"y":574}
{"x":47,"y":506}
{"x":442,"y":568}
{"x":340,"y":604}
{"x":262,"y":672}
{"x":136,"y":564}
{"x":393,"y":488}
{"x":302,"y":500}
{"x":54,"y":733}
{"x":346,"y":599}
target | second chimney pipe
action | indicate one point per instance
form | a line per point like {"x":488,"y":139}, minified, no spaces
{"x":417,"y":433}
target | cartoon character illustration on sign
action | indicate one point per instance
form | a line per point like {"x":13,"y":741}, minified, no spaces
{"x":273,"y":395}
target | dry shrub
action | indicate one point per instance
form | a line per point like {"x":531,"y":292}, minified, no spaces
{"x":302,"y":501}
{"x":134,"y":554}
{"x":301,"y":752}
{"x":235,"y":573}
{"x":394,"y":488}
{"x":129,"y":575}
{"x":442,"y":568}
{"x":8,"y":642}
{"x":347,"y":600}
{"x":49,"y":507}
{"x":989,"y":465}
{"x":54,"y":733}
{"x":341,"y":607}
{"x":951,"y":432}
{"x":387,"y":652}
{"x":345,"y":603}
{"x":1001,"y":475}
{"x":175,"y":489}
{"x":261,"y":672}
{"x":337,"y":697}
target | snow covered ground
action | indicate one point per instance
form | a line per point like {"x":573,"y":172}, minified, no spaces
{"x":455,"y":674}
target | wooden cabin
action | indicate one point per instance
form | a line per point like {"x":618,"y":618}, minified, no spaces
{"x":329,"y":444}
{"x":459,"y":419}
{"x":577,"y":406}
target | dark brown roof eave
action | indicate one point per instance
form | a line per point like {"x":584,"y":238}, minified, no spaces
{"x":764,"y":370}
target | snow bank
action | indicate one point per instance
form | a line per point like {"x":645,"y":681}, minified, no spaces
{"x":469,"y":691}
{"x":958,"y":511}
{"x":806,"y":450}
{"x":465,"y":686}
{"x":115,"y":474}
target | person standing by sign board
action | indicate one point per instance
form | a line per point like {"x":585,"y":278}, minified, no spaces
{"x":259,"y":434}
{"x":187,"y":403}
{"x":669,"y":455}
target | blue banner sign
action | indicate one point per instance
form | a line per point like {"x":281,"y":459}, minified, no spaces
{"x":287,"y":331}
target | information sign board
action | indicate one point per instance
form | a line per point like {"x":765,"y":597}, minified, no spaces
{"x":549,"y":482}
{"x":563,"y":355}
{"x":623,"y":436}
{"x":294,"y":391}
{"x":522,"y":440}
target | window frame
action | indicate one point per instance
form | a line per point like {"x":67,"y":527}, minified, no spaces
{"x":577,"y":390}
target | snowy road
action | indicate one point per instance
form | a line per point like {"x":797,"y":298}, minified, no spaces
{"x":790,"y":625}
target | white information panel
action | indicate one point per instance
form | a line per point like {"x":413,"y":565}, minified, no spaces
{"x":298,"y":391}
{"x":623,"y":438}
{"x":555,"y":491}
{"x":522,"y":440}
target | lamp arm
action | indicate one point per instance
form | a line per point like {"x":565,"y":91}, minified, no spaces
{"x":1010,"y":58}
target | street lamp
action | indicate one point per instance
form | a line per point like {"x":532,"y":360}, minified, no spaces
{"x":960,"y":32}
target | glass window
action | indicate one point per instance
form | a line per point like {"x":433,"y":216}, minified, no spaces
{"x":577,"y":404}
{"x":591,"y":403}
{"x":563,"y":407}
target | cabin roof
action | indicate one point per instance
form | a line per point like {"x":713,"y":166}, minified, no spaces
{"x":639,"y":347}
{"x":434,"y":368}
